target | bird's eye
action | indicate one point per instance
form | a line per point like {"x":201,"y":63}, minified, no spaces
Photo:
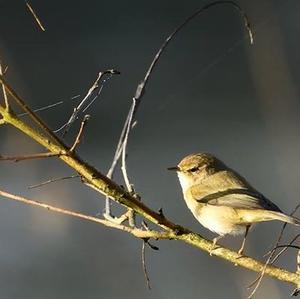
{"x":194,"y":169}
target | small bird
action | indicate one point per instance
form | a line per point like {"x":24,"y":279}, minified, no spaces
{"x":222,"y":200}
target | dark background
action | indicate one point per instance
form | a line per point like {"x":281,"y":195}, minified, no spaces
{"x":212,"y":91}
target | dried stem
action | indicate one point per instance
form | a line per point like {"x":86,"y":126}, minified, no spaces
{"x":116,"y":158}
{"x":53,"y":181}
{"x":2,"y":72}
{"x":288,"y":246}
{"x":285,"y":248}
{"x":146,"y":275}
{"x":281,"y":235}
{"x":28,"y":157}
{"x":80,"y":106}
{"x":124,"y":148}
{"x":79,"y":135}
{"x":35,"y":17}
{"x":134,"y":231}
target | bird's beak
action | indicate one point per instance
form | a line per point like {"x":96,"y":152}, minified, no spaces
{"x":175,"y":168}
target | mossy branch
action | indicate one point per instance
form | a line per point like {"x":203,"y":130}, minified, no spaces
{"x":104,"y":185}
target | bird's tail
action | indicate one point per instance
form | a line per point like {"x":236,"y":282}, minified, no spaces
{"x":284,"y":218}
{"x":258,"y":215}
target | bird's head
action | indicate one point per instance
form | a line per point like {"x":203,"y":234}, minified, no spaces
{"x":195,"y":167}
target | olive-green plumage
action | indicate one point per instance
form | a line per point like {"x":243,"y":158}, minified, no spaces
{"x":221,"y":199}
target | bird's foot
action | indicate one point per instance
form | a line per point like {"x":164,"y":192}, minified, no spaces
{"x":213,"y":246}
{"x":240,"y":252}
{"x":241,"y":255}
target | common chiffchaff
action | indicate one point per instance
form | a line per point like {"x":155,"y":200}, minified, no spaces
{"x":221,"y":199}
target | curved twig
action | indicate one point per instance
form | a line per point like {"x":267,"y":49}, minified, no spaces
{"x":123,"y":139}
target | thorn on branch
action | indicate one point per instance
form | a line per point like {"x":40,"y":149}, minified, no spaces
{"x":146,"y":240}
{"x":179,"y":230}
{"x":161,"y":213}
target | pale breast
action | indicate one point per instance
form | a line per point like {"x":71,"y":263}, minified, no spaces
{"x":220,"y":220}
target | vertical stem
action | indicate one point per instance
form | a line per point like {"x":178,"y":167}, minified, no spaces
{"x":4,"y":90}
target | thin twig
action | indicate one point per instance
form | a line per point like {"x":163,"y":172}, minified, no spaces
{"x":284,"y":249}
{"x":129,"y":186}
{"x":80,"y":106}
{"x":114,"y":163}
{"x":270,"y":259}
{"x":28,"y":157}
{"x":124,"y":152}
{"x":281,"y":234}
{"x":134,"y":231}
{"x":35,"y":17}
{"x":288,"y":246}
{"x":2,"y":72}
{"x":79,"y":135}
{"x":146,"y":275}
{"x":142,"y":85}
{"x":260,"y":277}
{"x":48,"y":106}
{"x":53,"y":181}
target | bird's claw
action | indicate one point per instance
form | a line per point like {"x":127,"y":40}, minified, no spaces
{"x":213,"y":246}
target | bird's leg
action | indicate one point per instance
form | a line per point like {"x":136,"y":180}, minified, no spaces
{"x":240,"y":252}
{"x":215,"y":240}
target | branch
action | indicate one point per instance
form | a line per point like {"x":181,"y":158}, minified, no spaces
{"x":79,"y":135}
{"x":28,"y":157}
{"x":53,"y":181}
{"x":109,"y":188}
{"x":2,"y":72}
{"x":139,"y":233}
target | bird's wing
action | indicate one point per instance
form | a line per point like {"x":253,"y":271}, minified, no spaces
{"x":227,"y":188}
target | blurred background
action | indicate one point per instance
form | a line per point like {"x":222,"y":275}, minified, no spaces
{"x":212,"y":91}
